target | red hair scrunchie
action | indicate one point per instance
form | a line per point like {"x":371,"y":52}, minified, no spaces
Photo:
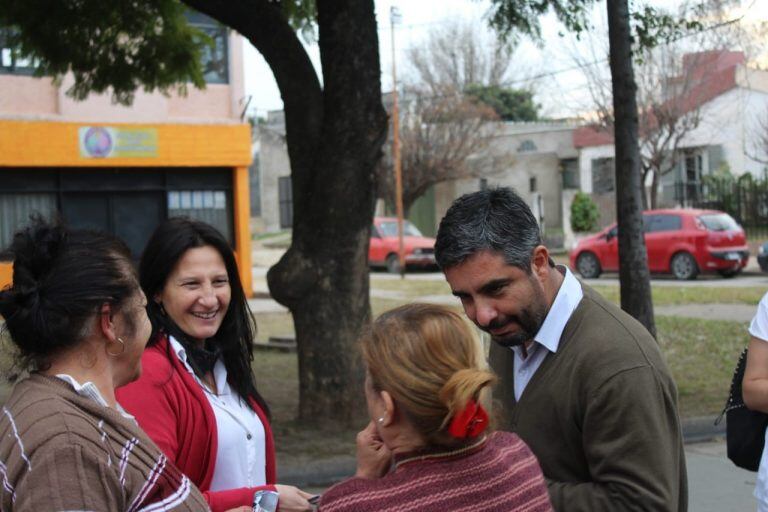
{"x":469,"y":422}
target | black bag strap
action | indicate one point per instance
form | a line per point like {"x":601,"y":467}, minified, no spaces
{"x":735,"y":399}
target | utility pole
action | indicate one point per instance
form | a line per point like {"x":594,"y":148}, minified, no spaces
{"x":394,"y":17}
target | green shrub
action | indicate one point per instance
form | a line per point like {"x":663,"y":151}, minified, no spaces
{"x":584,"y":213}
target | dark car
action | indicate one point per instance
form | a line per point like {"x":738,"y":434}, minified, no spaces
{"x":683,"y":242}
{"x":762,"y":257}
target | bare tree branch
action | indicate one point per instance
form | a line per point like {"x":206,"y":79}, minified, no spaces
{"x":459,"y":55}
{"x":442,"y":138}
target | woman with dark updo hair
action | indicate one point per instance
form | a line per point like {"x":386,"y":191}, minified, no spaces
{"x":197,"y":398}
{"x":76,"y":316}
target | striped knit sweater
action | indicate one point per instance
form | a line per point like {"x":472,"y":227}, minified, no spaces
{"x":62,"y":451}
{"x":495,"y":475}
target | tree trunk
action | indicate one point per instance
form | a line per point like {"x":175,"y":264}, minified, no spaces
{"x":634,"y":277}
{"x":655,"y":189}
{"x":644,"y":193}
{"x":334,"y":137}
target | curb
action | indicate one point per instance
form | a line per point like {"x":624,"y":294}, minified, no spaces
{"x":702,"y":428}
{"x":324,"y":473}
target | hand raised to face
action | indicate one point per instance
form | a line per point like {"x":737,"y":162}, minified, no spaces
{"x":373,"y":456}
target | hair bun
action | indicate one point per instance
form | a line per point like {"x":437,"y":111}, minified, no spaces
{"x":463,"y":385}
{"x":34,"y":251}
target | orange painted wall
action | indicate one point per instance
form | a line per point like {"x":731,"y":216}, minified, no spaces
{"x":54,"y":144}
{"x":242,"y":206}
{"x":6,"y":274}
{"x":47,"y":144}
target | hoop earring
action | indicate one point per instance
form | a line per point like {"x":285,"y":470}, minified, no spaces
{"x":122,"y":345}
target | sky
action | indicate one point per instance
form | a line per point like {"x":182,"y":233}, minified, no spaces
{"x":561,"y":90}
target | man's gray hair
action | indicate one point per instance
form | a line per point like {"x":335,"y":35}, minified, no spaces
{"x":495,"y":219}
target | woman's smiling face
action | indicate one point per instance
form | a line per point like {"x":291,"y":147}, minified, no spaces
{"x":196,"y":294}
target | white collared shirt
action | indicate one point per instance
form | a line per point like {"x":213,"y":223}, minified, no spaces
{"x":90,"y":391}
{"x":548,"y":338}
{"x":241,"y":455}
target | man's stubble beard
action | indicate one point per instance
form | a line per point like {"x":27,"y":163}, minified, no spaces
{"x":530,"y":319}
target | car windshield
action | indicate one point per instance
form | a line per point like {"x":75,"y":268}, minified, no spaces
{"x":719,"y":222}
{"x":390,"y":229}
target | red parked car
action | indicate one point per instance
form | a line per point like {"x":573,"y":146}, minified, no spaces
{"x":419,"y":249}
{"x":683,"y":242}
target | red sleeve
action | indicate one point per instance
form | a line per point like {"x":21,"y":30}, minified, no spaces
{"x":222,"y":501}
{"x":150,"y":401}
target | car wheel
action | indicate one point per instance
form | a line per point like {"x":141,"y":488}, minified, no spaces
{"x":684,"y":266}
{"x":729,"y":272}
{"x":393,"y":264}
{"x":588,"y":265}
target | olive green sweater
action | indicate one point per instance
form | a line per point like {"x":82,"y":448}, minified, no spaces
{"x":601,"y":415}
{"x":63,"y":451}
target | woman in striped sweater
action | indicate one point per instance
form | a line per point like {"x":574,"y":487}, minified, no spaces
{"x":77,"y":318}
{"x":428,"y":446}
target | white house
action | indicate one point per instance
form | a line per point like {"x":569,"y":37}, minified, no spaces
{"x":537,"y":159}
{"x":732,"y":102}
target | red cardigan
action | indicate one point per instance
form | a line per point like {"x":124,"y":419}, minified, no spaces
{"x":173,"y":410}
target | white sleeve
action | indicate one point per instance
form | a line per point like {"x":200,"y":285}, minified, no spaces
{"x":759,"y":326}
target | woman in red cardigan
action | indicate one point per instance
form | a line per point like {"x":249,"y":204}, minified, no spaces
{"x":197,"y":398}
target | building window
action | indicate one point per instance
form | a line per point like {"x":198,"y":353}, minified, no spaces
{"x":526,"y":145}
{"x":11,"y":60}
{"x":694,"y":166}
{"x":214,"y":57}
{"x":570,"y":168}
{"x":126,"y":202}
{"x":209,"y":206}
{"x":532,"y":184}
{"x":285,"y":196}
{"x":483,"y":184}
{"x":603,"y":175}
{"x":16,"y":209}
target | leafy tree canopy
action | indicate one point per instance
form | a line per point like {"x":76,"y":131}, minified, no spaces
{"x":651,"y":26}
{"x":509,"y":104}
{"x":122,"y":46}
{"x":117,"y":45}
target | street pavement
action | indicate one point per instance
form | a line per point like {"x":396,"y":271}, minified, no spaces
{"x":714,"y":483}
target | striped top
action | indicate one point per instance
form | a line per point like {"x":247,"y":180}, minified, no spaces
{"x":497,"y":474}
{"x":63,"y":451}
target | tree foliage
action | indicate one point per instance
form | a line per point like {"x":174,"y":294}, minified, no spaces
{"x":509,"y":104}
{"x":651,"y":26}
{"x":122,"y":46}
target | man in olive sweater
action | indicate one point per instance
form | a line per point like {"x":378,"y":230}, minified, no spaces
{"x":581,"y":382}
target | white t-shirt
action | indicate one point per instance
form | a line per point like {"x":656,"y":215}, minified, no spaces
{"x":759,"y":326}
{"x":759,"y":329}
{"x":241,"y":454}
